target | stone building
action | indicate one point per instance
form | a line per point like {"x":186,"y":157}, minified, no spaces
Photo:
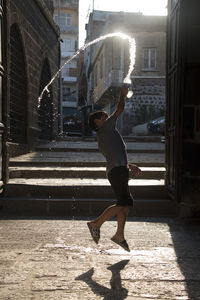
{"x":107,"y":64}
{"x":30,"y":57}
{"x":66,"y":15}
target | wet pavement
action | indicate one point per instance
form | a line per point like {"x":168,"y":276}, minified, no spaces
{"x":57,"y":259}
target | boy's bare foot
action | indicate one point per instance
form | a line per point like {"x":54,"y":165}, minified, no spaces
{"x":94,"y":231}
{"x":122,"y":243}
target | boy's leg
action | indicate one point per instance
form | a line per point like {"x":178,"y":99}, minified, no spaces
{"x":121,"y":221}
{"x":108,"y":213}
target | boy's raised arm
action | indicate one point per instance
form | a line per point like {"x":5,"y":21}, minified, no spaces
{"x":122,"y":99}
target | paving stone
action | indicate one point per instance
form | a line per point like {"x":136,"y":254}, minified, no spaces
{"x":57,"y":259}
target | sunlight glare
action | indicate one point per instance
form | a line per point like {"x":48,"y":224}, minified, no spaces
{"x":147,"y":7}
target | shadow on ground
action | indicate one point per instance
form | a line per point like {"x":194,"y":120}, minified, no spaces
{"x":186,"y":242}
{"x":116,"y":291}
{"x":185,"y":236}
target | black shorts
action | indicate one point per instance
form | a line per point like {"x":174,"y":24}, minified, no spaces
{"x":119,"y":177}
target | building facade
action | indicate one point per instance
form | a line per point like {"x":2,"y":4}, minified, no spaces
{"x":29,"y":56}
{"x":107,"y":64}
{"x":31,"y":59}
{"x":66,"y":15}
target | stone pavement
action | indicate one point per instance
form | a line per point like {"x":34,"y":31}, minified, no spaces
{"x":57,"y":259}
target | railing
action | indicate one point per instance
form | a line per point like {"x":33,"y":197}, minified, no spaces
{"x":71,"y":29}
{"x":69,"y":79}
{"x":69,"y":104}
{"x":69,"y":99}
{"x":66,"y":54}
{"x":113,"y":79}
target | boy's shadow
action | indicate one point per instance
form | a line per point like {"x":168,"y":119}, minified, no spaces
{"x":116,"y":291}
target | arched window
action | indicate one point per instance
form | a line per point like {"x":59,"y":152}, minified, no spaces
{"x":18,"y":88}
{"x":45,"y":106}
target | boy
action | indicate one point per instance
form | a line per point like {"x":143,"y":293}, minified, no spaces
{"x":113,"y":148}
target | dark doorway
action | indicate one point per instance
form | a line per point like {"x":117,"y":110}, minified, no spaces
{"x":46,"y":105}
{"x":3,"y":161}
{"x":18,"y":88}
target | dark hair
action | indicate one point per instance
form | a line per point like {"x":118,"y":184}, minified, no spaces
{"x":95,"y":115}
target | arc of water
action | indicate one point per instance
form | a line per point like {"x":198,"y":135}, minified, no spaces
{"x":103,"y":37}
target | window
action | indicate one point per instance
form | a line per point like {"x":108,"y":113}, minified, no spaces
{"x":149,"y":59}
{"x":65,"y":71}
{"x":76,"y":45}
{"x":65,"y":19}
{"x":70,"y":70}
{"x":68,"y":19}
{"x":66,"y":91}
{"x":67,"y":45}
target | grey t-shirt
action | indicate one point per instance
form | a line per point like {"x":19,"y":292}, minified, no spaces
{"x":111,"y":144}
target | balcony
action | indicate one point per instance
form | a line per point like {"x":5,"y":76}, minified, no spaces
{"x":112,"y":81}
{"x":69,"y":4}
{"x":115,"y":77}
{"x":67,"y":54}
{"x":69,"y":79}
{"x":69,"y":29}
{"x":69,"y":103}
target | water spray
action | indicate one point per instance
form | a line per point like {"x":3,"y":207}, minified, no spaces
{"x":127,"y":79}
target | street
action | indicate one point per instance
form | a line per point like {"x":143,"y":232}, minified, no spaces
{"x":57,"y":259}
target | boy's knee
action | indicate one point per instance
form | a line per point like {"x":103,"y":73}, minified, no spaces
{"x":125,"y":209}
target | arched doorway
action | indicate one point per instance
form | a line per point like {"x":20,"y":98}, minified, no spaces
{"x":183,"y":105}
{"x":18,"y":88}
{"x":46,"y":105}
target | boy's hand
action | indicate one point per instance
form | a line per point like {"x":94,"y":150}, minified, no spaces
{"x":135,"y":170}
{"x":124,"y":91}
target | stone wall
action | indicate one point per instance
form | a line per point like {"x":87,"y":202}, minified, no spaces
{"x":39,"y":37}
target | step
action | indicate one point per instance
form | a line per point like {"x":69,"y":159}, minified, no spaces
{"x":83,"y":159}
{"x":78,"y":164}
{"x":132,"y":147}
{"x":80,"y":188}
{"x":143,"y":138}
{"x":134,"y":138}
{"x":131,"y":137}
{"x":84,"y":207}
{"x":79,"y":149}
{"x":76,"y":172}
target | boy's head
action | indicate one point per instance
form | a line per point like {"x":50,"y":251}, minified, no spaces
{"x":96,"y":119}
